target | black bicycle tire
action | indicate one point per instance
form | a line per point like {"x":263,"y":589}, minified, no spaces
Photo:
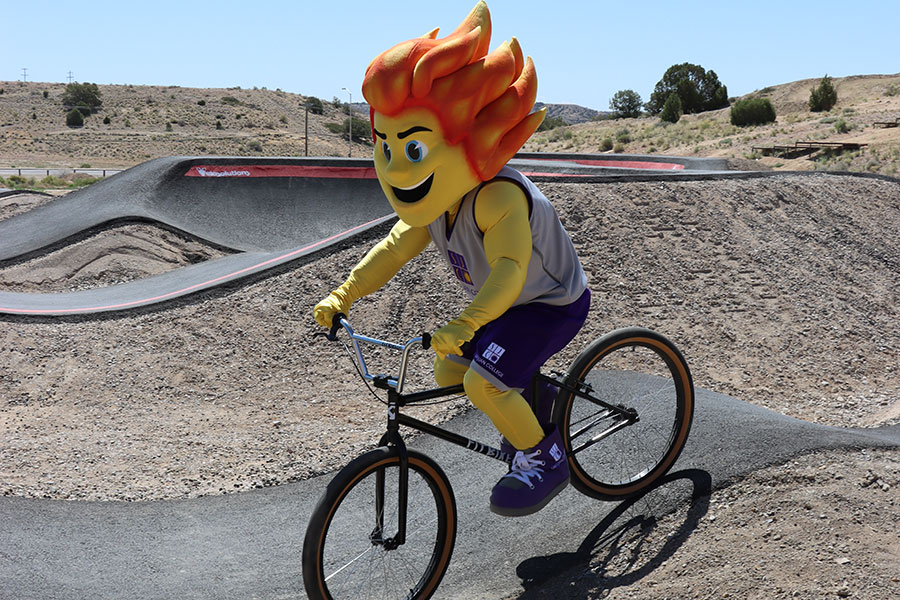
{"x":341,"y":485}
{"x":681,"y":375}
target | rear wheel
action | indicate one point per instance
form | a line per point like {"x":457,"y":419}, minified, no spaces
{"x":350,"y":550}
{"x":640,"y":371}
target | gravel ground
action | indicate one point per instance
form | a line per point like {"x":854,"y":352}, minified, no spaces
{"x":781,"y":291}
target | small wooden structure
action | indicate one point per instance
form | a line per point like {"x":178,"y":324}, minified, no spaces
{"x":807,"y":147}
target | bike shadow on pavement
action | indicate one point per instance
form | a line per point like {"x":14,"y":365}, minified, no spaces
{"x":627,"y":544}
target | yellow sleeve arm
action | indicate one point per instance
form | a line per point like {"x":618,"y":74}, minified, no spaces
{"x":387,"y":257}
{"x":381,"y":263}
{"x":501,"y":212}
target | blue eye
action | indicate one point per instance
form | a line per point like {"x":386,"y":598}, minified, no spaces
{"x":416,"y":150}
{"x":387,"y":150}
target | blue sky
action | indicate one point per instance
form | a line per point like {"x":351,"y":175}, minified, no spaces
{"x":583,"y":51}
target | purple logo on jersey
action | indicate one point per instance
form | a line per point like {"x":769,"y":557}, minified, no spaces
{"x":458,"y":264}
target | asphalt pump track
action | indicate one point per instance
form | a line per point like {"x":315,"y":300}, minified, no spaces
{"x":266,"y":211}
{"x":248,"y":545}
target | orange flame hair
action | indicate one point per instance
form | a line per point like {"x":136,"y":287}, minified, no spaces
{"x":482,"y":100}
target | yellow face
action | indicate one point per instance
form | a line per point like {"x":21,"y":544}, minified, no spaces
{"x":421,"y":175}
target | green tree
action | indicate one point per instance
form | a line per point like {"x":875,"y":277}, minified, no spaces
{"x":698,"y":89}
{"x":82,"y":94}
{"x":823,"y":97}
{"x":552,"y":123}
{"x":626,"y":103}
{"x":361,"y":130}
{"x":74,"y":118}
{"x":752,"y":111}
{"x":671,"y":110}
{"x":315,"y":105}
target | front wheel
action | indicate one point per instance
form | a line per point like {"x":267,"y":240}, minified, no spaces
{"x":351,"y":550}
{"x":614,"y":454}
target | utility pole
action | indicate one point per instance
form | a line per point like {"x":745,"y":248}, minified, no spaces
{"x":349,"y":124}
{"x":24,"y":74}
{"x":70,"y":77}
{"x":306,"y":131}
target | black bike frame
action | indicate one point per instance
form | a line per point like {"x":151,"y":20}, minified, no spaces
{"x":397,"y":400}
{"x":392,"y":437}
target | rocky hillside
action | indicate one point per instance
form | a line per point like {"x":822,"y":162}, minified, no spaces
{"x":863,"y":102}
{"x":570,"y":113}
{"x":137,"y":123}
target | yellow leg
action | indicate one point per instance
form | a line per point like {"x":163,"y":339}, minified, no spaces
{"x":508,"y":411}
{"x":447,"y":372}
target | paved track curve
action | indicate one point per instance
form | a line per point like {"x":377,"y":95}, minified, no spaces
{"x":268,"y":210}
{"x":247,"y":545}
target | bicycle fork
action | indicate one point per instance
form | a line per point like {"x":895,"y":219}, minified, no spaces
{"x":392,"y":438}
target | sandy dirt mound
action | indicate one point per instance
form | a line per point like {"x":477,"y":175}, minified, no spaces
{"x":821,"y":526}
{"x":109,"y":256}
{"x":13,"y":204}
{"x":778,"y":294}
{"x":113,"y":256}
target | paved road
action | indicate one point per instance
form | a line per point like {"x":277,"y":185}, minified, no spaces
{"x":248,"y":545}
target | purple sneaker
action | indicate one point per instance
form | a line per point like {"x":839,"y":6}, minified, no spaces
{"x":537,"y":475}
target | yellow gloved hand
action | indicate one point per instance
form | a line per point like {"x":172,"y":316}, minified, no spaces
{"x":338,"y":301}
{"x":380,"y":264}
{"x":449,"y":338}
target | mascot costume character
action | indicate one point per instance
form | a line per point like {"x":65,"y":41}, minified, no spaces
{"x":446,"y":117}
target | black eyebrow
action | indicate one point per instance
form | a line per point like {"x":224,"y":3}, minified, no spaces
{"x":411,"y":131}
{"x":379,"y":134}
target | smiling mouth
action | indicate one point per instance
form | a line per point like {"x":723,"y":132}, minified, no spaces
{"x":414,"y":193}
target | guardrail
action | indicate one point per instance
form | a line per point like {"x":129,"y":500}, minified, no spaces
{"x":58,"y":171}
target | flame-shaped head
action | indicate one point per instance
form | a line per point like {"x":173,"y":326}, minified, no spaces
{"x":446,"y":115}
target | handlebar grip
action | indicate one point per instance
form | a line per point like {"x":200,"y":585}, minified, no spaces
{"x":335,"y":326}
{"x":426,"y":341}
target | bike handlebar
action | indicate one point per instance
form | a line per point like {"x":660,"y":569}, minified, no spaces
{"x":340,"y":320}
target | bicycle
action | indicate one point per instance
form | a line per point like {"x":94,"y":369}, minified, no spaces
{"x":386,"y":524}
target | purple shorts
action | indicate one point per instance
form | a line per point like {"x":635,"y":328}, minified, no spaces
{"x":510,"y":349}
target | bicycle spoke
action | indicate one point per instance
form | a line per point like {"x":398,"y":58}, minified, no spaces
{"x":595,"y":420}
{"x":606,"y":451}
{"x":374,"y":571}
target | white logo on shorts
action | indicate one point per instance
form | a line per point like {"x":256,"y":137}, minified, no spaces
{"x":493,"y":352}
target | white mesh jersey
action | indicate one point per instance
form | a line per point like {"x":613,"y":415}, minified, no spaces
{"x":555,"y":275}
